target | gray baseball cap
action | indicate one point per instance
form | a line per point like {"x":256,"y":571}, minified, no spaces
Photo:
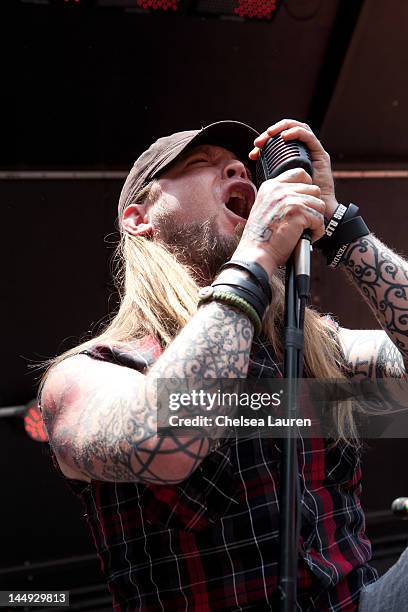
{"x":232,"y":135}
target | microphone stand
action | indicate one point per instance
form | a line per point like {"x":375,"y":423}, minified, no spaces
{"x":276,"y":157}
{"x":297,"y":291}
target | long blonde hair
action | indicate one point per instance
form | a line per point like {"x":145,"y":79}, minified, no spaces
{"x":159,"y":297}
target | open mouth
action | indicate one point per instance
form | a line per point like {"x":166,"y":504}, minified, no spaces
{"x":238,"y":204}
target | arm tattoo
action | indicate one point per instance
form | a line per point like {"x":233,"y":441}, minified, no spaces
{"x":370,"y":353}
{"x":382,"y":278}
{"x":111,"y":435}
{"x":358,"y":363}
{"x":371,"y":356}
{"x":389,"y":361}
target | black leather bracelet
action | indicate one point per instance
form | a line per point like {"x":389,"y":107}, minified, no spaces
{"x":235,"y":279}
{"x":349,"y":231}
{"x":256,"y":270}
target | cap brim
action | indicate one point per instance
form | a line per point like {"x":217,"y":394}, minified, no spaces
{"x":235,"y":136}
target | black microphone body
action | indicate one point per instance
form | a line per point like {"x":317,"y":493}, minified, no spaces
{"x":276,"y":157}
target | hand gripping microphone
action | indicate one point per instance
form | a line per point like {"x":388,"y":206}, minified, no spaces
{"x":276,"y":157}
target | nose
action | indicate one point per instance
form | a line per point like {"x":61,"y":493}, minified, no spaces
{"x":235,"y":169}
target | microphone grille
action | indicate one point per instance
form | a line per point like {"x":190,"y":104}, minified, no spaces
{"x":279,"y":155}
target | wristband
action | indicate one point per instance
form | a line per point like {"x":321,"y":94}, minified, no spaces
{"x":241,"y":293}
{"x":334,"y":260}
{"x":342,"y":229}
{"x":255,"y":270}
{"x":248,"y":286}
{"x":209,"y":294}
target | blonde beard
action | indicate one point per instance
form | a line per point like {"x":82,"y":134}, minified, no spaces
{"x":199,"y":246}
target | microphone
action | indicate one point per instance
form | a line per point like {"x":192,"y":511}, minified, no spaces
{"x":279,"y":155}
{"x":400,"y":507}
{"x":276,"y":157}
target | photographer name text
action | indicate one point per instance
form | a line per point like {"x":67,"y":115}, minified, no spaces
{"x":239,"y":421}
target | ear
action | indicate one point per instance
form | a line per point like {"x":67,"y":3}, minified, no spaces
{"x":135,"y":220}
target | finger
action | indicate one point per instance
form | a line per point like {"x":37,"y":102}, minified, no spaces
{"x":299,"y":192}
{"x":276,"y":128}
{"x":310,"y":219}
{"x":305,"y":188}
{"x":254,"y":154}
{"x":315,"y":222}
{"x":303,"y":217}
{"x":297,"y":203}
{"x":311,"y":202}
{"x":306,"y":136}
{"x":295,"y":175}
{"x":302,"y":188}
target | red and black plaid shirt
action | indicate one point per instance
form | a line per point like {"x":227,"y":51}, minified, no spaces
{"x":211,"y":542}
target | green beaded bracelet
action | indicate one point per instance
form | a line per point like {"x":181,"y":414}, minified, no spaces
{"x":232,"y":300}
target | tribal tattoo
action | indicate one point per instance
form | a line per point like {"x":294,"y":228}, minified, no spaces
{"x":389,"y":361}
{"x":382,"y":277}
{"x":370,"y":353}
{"x":101,"y":418}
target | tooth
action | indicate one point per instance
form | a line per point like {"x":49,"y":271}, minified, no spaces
{"x":237,"y":194}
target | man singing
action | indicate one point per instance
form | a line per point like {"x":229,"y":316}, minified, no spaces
{"x":186,"y":523}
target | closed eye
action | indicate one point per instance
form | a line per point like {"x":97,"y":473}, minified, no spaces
{"x":196,"y":160}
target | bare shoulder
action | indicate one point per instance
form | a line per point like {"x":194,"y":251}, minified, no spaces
{"x":79,"y":375}
{"x":371,"y":353}
{"x":75,"y":394}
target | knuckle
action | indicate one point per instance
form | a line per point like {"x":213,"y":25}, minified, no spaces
{"x":320,"y":205}
{"x":289,"y":199}
{"x":289,"y":210}
{"x":287,"y":122}
{"x":304,"y":176}
{"x":319,"y":233}
{"x":307,"y":221}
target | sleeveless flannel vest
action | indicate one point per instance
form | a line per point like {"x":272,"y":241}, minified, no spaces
{"x":211,"y":542}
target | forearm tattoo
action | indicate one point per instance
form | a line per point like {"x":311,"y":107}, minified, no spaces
{"x":382,"y":278}
{"x":115,"y":439}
